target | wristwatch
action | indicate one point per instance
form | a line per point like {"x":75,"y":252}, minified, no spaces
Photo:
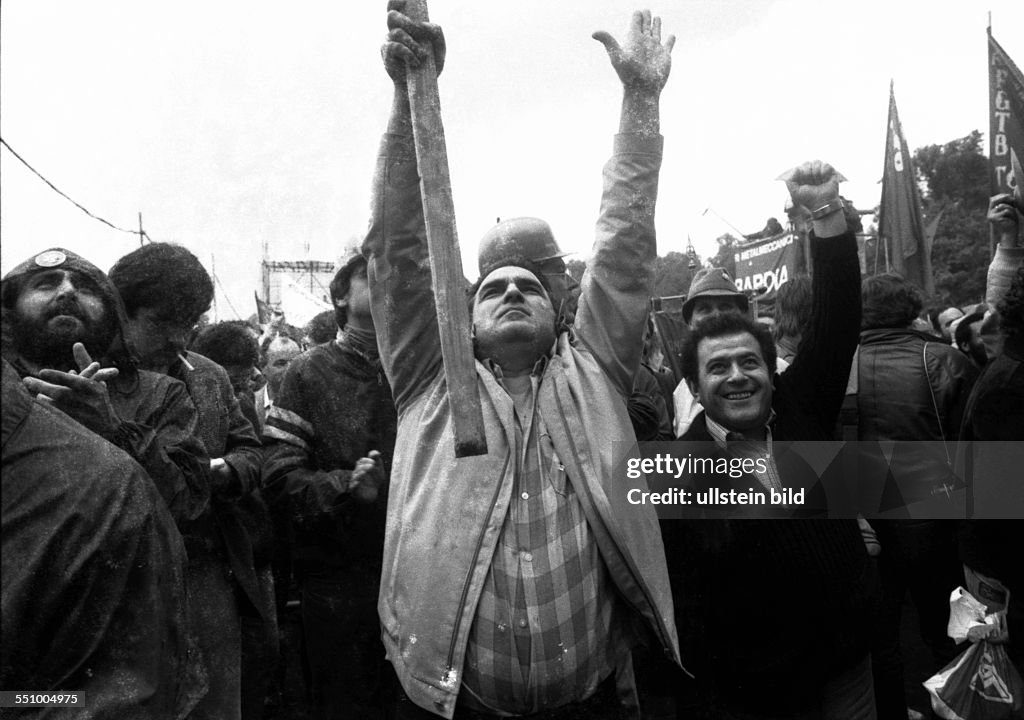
{"x":827,"y":209}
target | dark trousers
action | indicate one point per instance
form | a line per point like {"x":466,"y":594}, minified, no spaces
{"x":349,"y":675}
{"x":260,"y":649}
{"x":919,"y":557}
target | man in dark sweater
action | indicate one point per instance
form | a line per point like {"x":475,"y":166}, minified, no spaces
{"x":328,"y":442}
{"x":773,"y":616}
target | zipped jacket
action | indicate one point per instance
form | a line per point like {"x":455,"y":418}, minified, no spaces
{"x":445,"y":514}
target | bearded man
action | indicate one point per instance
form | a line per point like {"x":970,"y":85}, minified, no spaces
{"x":59,"y":313}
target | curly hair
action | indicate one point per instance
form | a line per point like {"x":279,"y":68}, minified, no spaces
{"x":228,"y":343}
{"x":1011,"y":307}
{"x":721,"y":325}
{"x":793,"y":307}
{"x":889,"y":301}
{"x":165,"y":277}
{"x":323,"y":327}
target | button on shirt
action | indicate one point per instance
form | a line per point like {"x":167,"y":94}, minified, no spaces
{"x":541,"y":636}
{"x":739,"y":446}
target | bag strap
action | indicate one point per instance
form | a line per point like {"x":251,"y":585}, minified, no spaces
{"x":935,"y":404}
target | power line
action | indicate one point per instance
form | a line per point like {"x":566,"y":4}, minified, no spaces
{"x":141,"y":233}
{"x":225,"y":292}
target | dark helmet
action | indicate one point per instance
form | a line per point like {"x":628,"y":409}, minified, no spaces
{"x":526,"y":237}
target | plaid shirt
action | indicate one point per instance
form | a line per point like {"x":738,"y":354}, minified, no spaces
{"x":541,"y":636}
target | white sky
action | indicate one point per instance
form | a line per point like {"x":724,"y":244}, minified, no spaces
{"x":231,"y":124}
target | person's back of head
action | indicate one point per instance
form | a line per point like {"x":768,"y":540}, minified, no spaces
{"x":793,"y":307}
{"x":322,"y":328}
{"x":889,"y":301}
{"x":234,"y":347}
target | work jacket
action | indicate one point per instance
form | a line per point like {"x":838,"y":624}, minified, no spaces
{"x":445,"y":514}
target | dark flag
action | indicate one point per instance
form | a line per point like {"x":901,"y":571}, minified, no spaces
{"x":264,"y":312}
{"x":900,"y":225}
{"x":1006,"y":118}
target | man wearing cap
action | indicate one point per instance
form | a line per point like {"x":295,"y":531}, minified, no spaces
{"x":328,"y":442}
{"x":519,"y":582}
{"x":712,"y":292}
{"x":59,"y":312}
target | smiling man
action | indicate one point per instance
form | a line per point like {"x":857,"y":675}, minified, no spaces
{"x":735,"y":358}
{"x":730,"y":363}
{"x":748,"y":664}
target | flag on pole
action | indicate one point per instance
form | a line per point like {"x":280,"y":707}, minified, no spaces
{"x":1006,"y":118}
{"x":900,"y":225}
{"x":263,"y":310}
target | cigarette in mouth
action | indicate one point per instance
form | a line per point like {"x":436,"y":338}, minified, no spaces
{"x":185,"y":362}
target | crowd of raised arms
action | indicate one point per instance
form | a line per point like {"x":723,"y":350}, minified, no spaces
{"x":243,"y":521}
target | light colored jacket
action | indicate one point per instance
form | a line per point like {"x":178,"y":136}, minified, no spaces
{"x":445,"y":514}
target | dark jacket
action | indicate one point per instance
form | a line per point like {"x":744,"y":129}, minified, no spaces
{"x":93,"y":593}
{"x":995,"y":408}
{"x":334,"y":407}
{"x":236,"y":526}
{"x":769,"y":610}
{"x":992,"y":435}
{"x":910,"y":386}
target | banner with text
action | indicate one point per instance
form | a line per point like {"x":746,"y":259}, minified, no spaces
{"x":767,"y":263}
{"x":1006,"y":118}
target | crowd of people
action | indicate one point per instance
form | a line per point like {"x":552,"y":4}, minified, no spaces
{"x":171,"y":493}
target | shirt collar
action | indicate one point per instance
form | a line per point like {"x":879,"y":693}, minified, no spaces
{"x":722,"y":436}
{"x":495,"y":369}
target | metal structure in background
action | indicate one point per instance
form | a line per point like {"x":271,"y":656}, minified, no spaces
{"x":312,"y":275}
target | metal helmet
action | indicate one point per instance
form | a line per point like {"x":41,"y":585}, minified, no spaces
{"x":518,"y":237}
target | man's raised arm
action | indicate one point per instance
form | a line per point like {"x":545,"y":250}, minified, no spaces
{"x":817,"y":378}
{"x":396,"y":247}
{"x":617,"y":286}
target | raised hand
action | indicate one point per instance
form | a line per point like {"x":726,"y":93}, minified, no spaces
{"x":1002,"y":213}
{"x":642,"y":60}
{"x":408,"y":41}
{"x":82,"y":395}
{"x":813,"y":184}
{"x":88,"y":368}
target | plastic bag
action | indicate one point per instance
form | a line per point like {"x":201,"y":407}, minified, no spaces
{"x":982,"y":683}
